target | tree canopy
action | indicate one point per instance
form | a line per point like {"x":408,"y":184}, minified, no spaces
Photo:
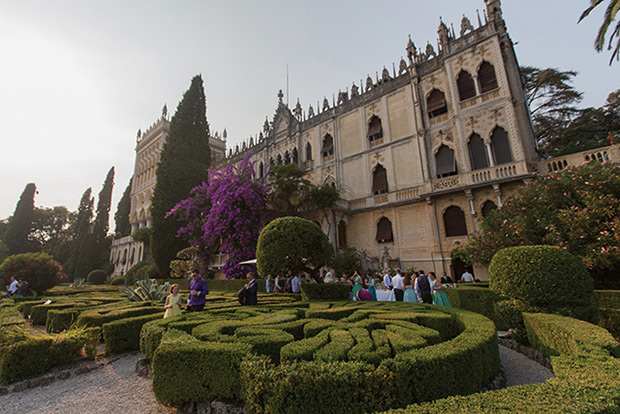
{"x":577,"y":210}
{"x":123,"y":209}
{"x":19,"y":227}
{"x":184,"y":160}
{"x":291,"y":245}
{"x":608,"y":19}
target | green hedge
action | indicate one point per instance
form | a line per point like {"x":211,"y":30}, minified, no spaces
{"x":36,"y":355}
{"x":186,"y":369}
{"x":101,"y":316}
{"x":586,"y":370}
{"x":325,"y":291}
{"x":124,"y":334}
{"x":379,"y":345}
{"x":97,"y":277}
{"x":476,"y":299}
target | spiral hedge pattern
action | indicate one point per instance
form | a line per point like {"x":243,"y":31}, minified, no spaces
{"x":344,"y":356}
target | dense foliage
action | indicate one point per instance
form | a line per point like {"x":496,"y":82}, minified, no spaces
{"x":346,"y":261}
{"x":577,"y":210}
{"x":227,"y":213}
{"x":39,"y":269}
{"x":97,"y":277}
{"x":543,"y":276}
{"x":185,"y":158}
{"x":52,"y":231}
{"x":19,"y":227}
{"x":121,"y":217}
{"x":101,"y":225}
{"x":290,"y":245}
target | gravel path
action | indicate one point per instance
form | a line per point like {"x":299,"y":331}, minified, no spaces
{"x":117,"y":388}
{"x":114,"y":388}
{"x":521,"y":370}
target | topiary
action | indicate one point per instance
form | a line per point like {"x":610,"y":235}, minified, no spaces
{"x":39,"y":269}
{"x":117,"y":281}
{"x":97,"y":277}
{"x":291,"y":245}
{"x":543,"y":276}
{"x":347,"y":261}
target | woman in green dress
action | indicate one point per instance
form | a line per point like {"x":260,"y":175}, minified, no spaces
{"x":358,"y":284}
{"x":439,"y":295}
{"x":370,"y":282}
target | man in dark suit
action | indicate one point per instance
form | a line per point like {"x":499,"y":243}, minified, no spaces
{"x":251,"y":289}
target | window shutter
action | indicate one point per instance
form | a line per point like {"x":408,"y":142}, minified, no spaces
{"x":466,"y":86}
{"x":328,"y":144}
{"x":436,"y":101}
{"x":379,"y":180}
{"x":477,"y":153}
{"x":384,"y":230}
{"x":444,"y":161}
{"x":501,"y":146}
{"x":454,"y":222}
{"x":486,"y":77}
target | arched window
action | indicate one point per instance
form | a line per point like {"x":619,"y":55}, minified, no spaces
{"x":466,"y":86}
{"x":287,"y":158}
{"x":342,"y":234}
{"x":445,"y":162}
{"x":375,"y":130}
{"x":501,"y":146}
{"x":379,"y":180}
{"x":436,"y":104}
{"x":487,"y":207}
{"x":308,"y":152}
{"x":279,"y":159}
{"x":328,"y":146}
{"x":477,"y":153}
{"x":261,"y":170}
{"x":486,"y":77}
{"x":295,"y":156}
{"x":271,"y":161}
{"x":454,"y":222}
{"x":384,"y":231}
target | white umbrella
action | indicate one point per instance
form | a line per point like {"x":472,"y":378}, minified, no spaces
{"x":253,"y":261}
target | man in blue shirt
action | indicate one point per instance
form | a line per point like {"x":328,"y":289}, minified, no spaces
{"x":296,"y":284}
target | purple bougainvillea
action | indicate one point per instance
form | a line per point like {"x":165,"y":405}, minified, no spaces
{"x":226,"y":213}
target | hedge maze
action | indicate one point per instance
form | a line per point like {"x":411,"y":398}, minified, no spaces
{"x":347,"y":357}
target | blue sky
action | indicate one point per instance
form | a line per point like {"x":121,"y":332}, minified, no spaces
{"x":78,"y":79}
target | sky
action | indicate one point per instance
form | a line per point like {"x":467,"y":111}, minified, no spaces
{"x":78,"y":79}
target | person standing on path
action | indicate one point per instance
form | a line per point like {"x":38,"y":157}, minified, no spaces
{"x":397,"y":283}
{"x":251,"y":290}
{"x":198,"y":290}
{"x":424,"y":288}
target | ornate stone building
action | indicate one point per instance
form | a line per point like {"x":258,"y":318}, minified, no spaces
{"x":126,"y":252}
{"x":423,"y":151}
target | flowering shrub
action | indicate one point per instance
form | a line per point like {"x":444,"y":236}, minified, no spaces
{"x":227,"y":212}
{"x":39,"y":269}
{"x":577,"y":210}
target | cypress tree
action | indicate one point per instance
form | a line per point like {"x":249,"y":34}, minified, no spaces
{"x":20,"y":225}
{"x":123,"y":209}
{"x":79,"y":262}
{"x":102,"y":222}
{"x":184,"y":160}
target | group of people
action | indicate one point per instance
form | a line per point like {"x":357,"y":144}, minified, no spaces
{"x":291,"y":284}
{"x":17,"y":287}
{"x":417,"y":287}
{"x":198,"y":290}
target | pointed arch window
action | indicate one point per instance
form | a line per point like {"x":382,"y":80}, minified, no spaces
{"x":271,"y":161}
{"x":375,"y":129}
{"x":308,"y":152}
{"x":454,"y":222}
{"x":501,"y":146}
{"x":436,"y":103}
{"x":287,"y":158}
{"x":488,"y":207}
{"x":466,"y":86}
{"x":379,"y":180}
{"x":342,"y":234}
{"x":445,"y":162}
{"x":261,"y":170}
{"x":295,"y":156}
{"x":477,"y":153}
{"x":486,"y":77}
{"x":279,"y":159}
{"x":328,"y":146}
{"x":384,"y":231}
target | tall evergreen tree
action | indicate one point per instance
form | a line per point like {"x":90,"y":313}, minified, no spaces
{"x":185,"y":158}
{"x":123,"y":209}
{"x":20,"y":225}
{"x":80,"y":261}
{"x":101,"y":225}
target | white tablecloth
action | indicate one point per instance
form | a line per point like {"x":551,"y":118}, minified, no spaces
{"x":385,"y":295}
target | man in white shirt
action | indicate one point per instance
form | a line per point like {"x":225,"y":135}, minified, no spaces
{"x":387,"y":279}
{"x":12,"y":287}
{"x":467,"y":277}
{"x":397,"y":283}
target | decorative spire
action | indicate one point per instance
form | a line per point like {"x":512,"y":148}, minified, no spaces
{"x":266,"y":124}
{"x":412,"y":52}
{"x":225,"y":134}
{"x":280,"y":96}
{"x":444,"y":35}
